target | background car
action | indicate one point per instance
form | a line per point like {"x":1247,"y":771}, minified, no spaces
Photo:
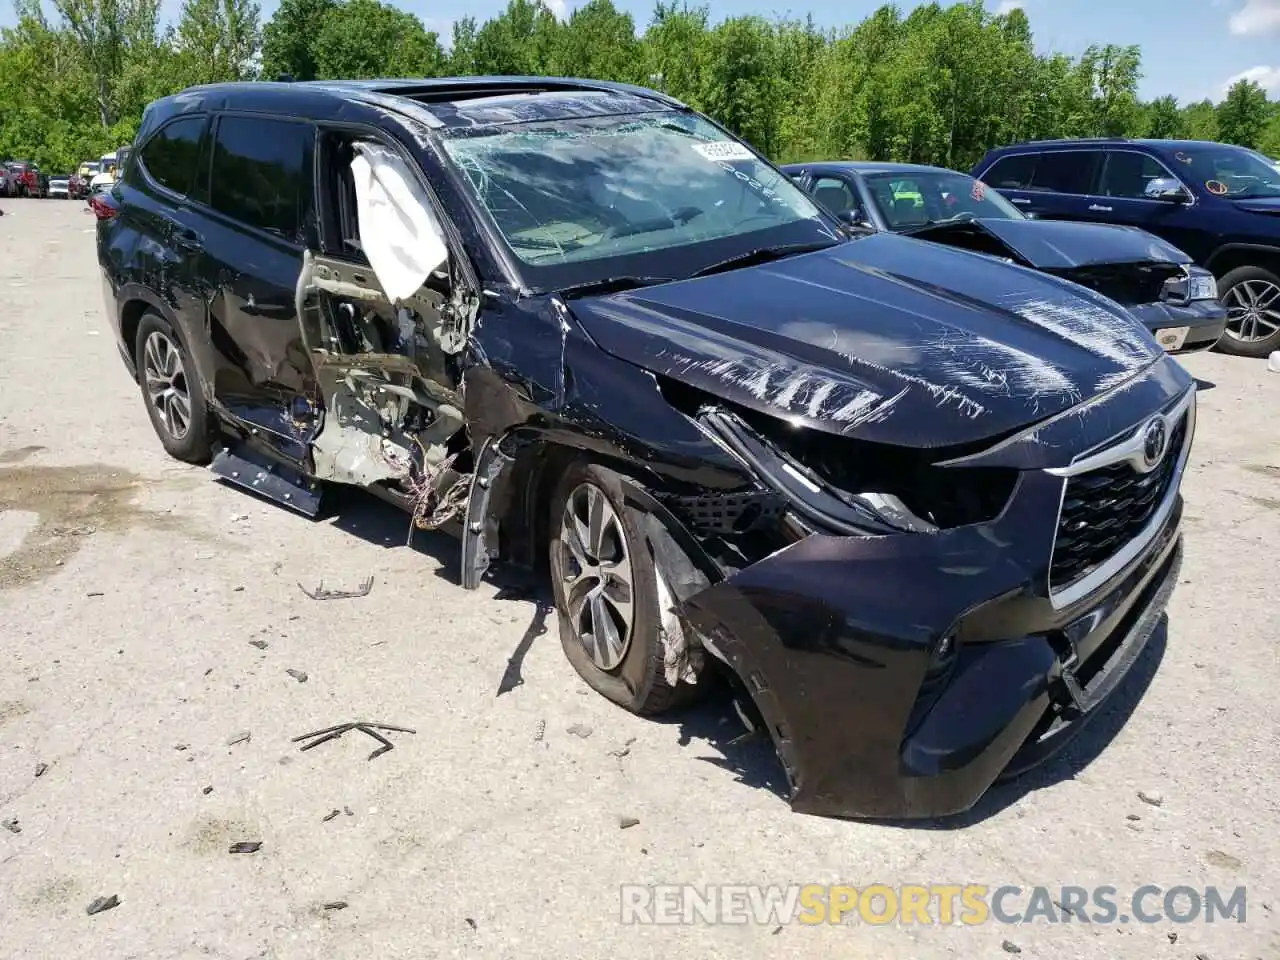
{"x":1220,"y":203}
{"x":24,"y":179}
{"x":1175,"y":299}
{"x":60,"y":186}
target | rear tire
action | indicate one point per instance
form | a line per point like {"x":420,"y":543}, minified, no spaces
{"x":1252,"y":298}
{"x":606,"y":592}
{"x":171,"y":391}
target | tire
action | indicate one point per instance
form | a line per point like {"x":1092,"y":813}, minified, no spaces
{"x":631,"y":676}
{"x":155,"y":350}
{"x":1252,"y":298}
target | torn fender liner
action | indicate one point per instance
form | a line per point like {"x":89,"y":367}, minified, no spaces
{"x":398,"y":232}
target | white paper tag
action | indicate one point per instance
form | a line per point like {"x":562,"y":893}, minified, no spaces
{"x":724,"y":150}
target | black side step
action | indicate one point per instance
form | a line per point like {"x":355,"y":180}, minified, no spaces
{"x":243,"y":467}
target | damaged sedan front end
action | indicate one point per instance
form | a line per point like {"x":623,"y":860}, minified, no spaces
{"x":921,"y":506}
{"x":1157,"y":283}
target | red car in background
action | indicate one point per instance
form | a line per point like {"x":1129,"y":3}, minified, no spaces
{"x":24,"y":179}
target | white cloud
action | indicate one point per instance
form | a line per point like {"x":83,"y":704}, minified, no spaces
{"x":1268,"y":78}
{"x":559,"y":7}
{"x":1256,"y":17}
{"x":1008,"y":6}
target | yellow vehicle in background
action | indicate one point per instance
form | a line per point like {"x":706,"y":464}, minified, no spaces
{"x":108,"y":166}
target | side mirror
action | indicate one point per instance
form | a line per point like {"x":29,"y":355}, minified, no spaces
{"x":855,"y":219}
{"x":1167,"y":189}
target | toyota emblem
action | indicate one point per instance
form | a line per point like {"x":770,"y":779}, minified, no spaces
{"x":1154,"y":441}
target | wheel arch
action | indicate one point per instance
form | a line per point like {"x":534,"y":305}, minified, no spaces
{"x":1233,"y":255}
{"x":521,"y":512}
{"x":135,"y":301}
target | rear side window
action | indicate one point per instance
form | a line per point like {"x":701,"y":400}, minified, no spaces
{"x":171,"y":156}
{"x":1126,"y":174}
{"x":261,"y":173}
{"x":1068,"y":171}
{"x":1012,"y":172}
{"x":834,"y":194}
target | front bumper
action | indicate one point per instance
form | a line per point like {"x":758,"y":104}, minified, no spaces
{"x":834,"y":637}
{"x":1203,"y":321}
{"x":817,"y":634}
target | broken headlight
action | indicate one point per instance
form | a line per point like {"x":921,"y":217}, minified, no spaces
{"x":1196,"y":284}
{"x":848,"y":486}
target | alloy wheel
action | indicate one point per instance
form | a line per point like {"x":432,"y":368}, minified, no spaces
{"x":166,"y":384}
{"x":596,"y":570}
{"x":1253,"y":310}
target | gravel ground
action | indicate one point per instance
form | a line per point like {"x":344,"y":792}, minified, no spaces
{"x":150,"y":615}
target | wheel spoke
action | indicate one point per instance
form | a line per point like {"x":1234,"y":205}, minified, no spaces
{"x":180,"y":404}
{"x":604,"y":629}
{"x":1267,"y":297}
{"x":596,"y":521}
{"x":1269,"y":318}
{"x":156,"y":386}
{"x":153,"y":356}
{"x":617,"y":594}
{"x":172,"y":362}
{"x":571,"y":537}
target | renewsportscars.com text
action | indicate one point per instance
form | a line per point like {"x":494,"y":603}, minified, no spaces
{"x":927,"y":904}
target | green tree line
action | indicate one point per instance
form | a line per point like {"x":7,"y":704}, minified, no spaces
{"x":936,"y":85}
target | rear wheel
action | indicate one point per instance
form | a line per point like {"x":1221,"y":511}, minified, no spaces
{"x":171,"y":391}
{"x":1252,"y":298}
{"x":606,"y":592}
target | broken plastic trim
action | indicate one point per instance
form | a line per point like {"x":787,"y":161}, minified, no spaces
{"x":808,"y":495}
{"x":478,"y":527}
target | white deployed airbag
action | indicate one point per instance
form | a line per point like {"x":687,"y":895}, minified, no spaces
{"x":398,"y":231}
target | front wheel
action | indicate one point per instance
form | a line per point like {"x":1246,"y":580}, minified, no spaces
{"x":172,"y":392}
{"x":606,"y":592}
{"x":1252,"y":298}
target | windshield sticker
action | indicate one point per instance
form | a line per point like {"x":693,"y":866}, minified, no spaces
{"x":1182,"y":157}
{"x":1216,"y":187}
{"x":979,"y":190}
{"x":723,"y":150}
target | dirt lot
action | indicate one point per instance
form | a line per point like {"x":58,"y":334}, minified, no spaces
{"x":150,"y":615}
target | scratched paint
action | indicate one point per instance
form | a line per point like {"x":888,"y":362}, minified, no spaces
{"x":1083,"y":322}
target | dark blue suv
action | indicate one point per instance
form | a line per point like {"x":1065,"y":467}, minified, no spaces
{"x":1220,"y":203}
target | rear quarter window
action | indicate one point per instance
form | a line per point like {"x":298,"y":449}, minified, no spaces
{"x":171,"y":156}
{"x":1067,"y":171}
{"x":1012,"y":172}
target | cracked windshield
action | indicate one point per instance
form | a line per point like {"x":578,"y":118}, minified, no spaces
{"x":586,"y":190}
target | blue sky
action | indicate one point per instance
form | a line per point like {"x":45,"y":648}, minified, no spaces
{"x":1191,"y":48}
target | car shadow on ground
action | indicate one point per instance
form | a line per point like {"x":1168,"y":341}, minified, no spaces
{"x":751,"y":759}
{"x":1203,"y":384}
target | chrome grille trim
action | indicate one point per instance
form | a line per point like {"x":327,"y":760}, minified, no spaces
{"x":1127,"y":449}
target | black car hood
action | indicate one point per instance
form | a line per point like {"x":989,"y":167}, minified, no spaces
{"x":1063,"y":244}
{"x":886,"y":338}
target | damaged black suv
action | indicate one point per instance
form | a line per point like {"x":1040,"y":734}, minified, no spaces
{"x":921,"y":504}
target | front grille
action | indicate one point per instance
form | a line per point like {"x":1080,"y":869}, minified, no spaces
{"x":1104,"y":509}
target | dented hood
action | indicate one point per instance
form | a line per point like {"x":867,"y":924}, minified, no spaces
{"x":1064,"y":244}
{"x":886,"y":338}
